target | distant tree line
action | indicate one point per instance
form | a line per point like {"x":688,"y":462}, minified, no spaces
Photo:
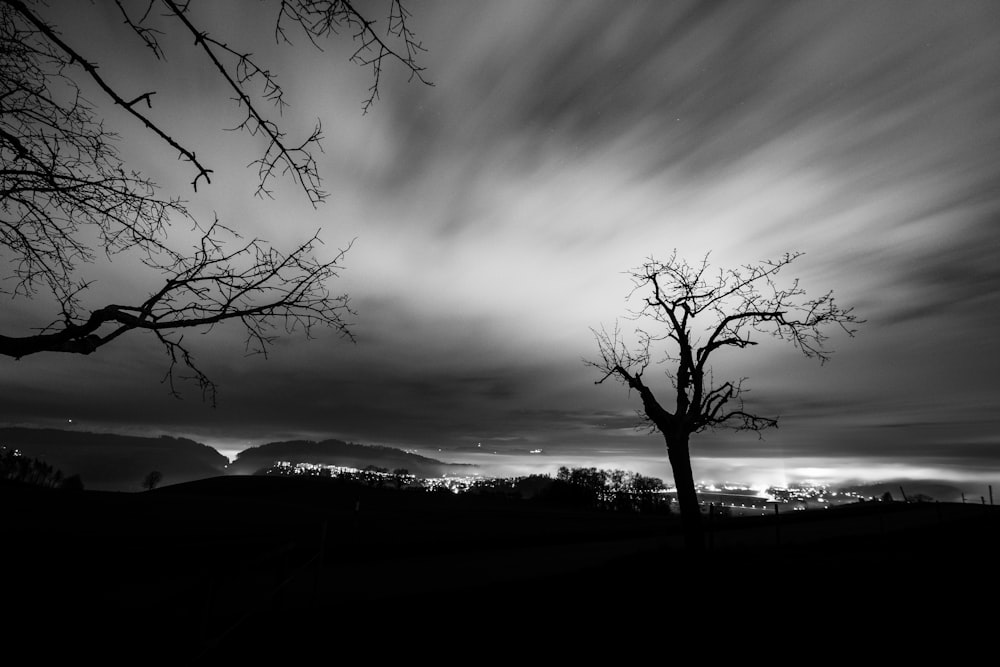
{"x":15,"y":467}
{"x":617,"y":490}
{"x":584,"y":488}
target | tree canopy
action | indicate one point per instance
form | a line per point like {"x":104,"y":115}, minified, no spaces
{"x":67,"y":197}
{"x":688,"y":312}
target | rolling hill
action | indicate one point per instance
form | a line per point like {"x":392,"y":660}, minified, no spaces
{"x":112,"y":462}
{"x":338,"y":452}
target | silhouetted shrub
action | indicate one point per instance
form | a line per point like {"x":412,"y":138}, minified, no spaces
{"x":619,"y":490}
{"x":15,"y":467}
{"x":152,"y":480}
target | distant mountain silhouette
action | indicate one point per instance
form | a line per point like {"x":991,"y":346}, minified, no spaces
{"x":116,"y":462}
{"x":937,"y":490}
{"x":337,"y":452}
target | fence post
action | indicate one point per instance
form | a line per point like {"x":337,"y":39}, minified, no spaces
{"x":777,"y":526}
{"x":991,"y":494}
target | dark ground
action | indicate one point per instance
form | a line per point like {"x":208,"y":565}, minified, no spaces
{"x":229,"y":568}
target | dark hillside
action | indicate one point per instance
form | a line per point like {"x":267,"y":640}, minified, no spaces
{"x":337,"y":452}
{"x":116,"y":462}
{"x":230,"y":567}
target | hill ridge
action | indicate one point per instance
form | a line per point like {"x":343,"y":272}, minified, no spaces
{"x":338,"y":452}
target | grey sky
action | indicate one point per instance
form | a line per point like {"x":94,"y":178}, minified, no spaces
{"x":562,"y":143}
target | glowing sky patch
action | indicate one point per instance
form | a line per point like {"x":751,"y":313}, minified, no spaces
{"x":561,"y":145}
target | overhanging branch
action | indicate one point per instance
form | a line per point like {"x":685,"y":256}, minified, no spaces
{"x":91,"y":70}
{"x":254,"y":285}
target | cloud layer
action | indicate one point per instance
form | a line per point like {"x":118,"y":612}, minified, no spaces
{"x":562,"y":144}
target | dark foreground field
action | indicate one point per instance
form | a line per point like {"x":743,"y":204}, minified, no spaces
{"x":280,"y":567}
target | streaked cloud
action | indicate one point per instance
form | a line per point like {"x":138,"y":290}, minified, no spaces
{"x":562,"y":144}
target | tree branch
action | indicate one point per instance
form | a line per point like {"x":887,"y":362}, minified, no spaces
{"x":66,"y":197}
{"x":255,"y":285}
{"x":736,"y":303}
{"x":616,"y":361}
{"x":91,"y":70}
{"x":319,"y":19}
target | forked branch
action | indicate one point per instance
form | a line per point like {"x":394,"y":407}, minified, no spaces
{"x":730,"y":307}
{"x":259,"y":287}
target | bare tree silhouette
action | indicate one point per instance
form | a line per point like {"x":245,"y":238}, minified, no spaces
{"x":16,"y":467}
{"x":692,"y":311}
{"x":66,"y":197}
{"x":152,"y":480}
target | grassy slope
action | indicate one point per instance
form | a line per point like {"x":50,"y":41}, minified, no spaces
{"x":229,"y":565}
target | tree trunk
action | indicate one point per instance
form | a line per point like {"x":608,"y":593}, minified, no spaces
{"x":680,"y":463}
